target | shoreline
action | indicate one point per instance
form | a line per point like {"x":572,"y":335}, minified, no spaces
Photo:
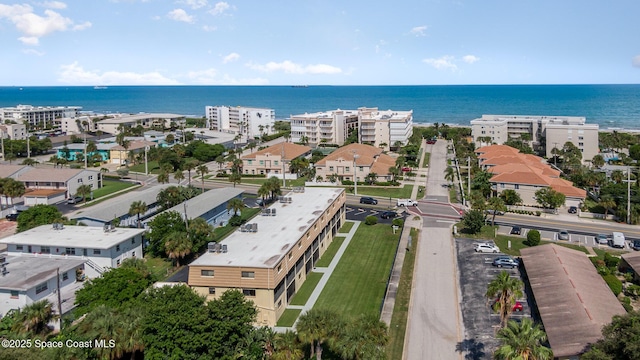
{"x":608,"y":130}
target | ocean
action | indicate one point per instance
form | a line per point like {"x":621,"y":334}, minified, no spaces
{"x":610,"y":106}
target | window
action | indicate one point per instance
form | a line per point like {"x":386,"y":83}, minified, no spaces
{"x":290,"y":256}
{"x":42,"y":287}
{"x":19,"y":247}
{"x":117,"y":262}
{"x":65,"y":276}
{"x":249,"y":162}
{"x":261,"y":162}
{"x":118,"y":247}
{"x":360,"y":168}
{"x":96,"y":251}
{"x":206,"y":272}
{"x":212,"y":291}
{"x":279,"y":268}
{"x":90,"y":177}
{"x":45,"y":250}
{"x":275,"y":162}
{"x":279,"y":303}
{"x":15,"y":294}
{"x":580,"y":144}
{"x":248,"y":274}
{"x":133,"y":240}
{"x":330,"y":168}
{"x":347,"y":169}
{"x":249,"y":292}
{"x":516,"y":186}
{"x":79,"y":181}
{"x":70,"y":251}
{"x":299,"y":244}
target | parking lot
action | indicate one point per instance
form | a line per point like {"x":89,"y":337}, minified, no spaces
{"x":476,"y":272}
{"x":547,"y":235}
{"x":360,"y":213}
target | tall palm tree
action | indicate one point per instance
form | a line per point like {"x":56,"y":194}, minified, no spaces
{"x":522,"y":340}
{"x":34,"y":318}
{"x":235,"y":178}
{"x":236,"y":205}
{"x":202,"y":170}
{"x":177,"y":245}
{"x":12,"y":188}
{"x":316,"y":327}
{"x":178,"y":175}
{"x":504,"y":290}
{"x":84,"y":191}
{"x":450,"y":174}
{"x":362,"y":338}
{"x":607,"y":203}
{"x":138,"y":208}
{"x":163,"y":177}
{"x":287,"y":346}
{"x":497,"y":205}
{"x":263,"y":192}
{"x":190,"y":165}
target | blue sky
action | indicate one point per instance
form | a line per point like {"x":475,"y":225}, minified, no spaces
{"x":319,"y":42}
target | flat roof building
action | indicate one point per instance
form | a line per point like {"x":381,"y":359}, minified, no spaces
{"x":269,"y":259}
{"x":246,"y":121}
{"x":275,"y":159}
{"x":39,"y":117}
{"x":112,"y":125}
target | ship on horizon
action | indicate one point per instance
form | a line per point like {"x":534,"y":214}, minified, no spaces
{"x":100,"y":87}
{"x":300,"y":86}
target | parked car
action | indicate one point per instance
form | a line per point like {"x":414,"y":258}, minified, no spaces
{"x":388,"y":214}
{"x":635,"y":245}
{"x":505,"y":261}
{"x":13,"y":216}
{"x":368,"y":200}
{"x":431,"y":141}
{"x":602,"y":238}
{"x":573,"y":210}
{"x":406,"y":202}
{"x":497,"y":212}
{"x":486,"y":248}
{"x":618,"y":240}
{"x":515,"y":230}
{"x":74,"y":200}
{"x":406,"y":169}
{"x":563,"y":235}
{"x":517,"y":307}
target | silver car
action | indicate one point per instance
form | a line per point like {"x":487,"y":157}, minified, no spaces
{"x":563,"y":235}
{"x":486,"y":248}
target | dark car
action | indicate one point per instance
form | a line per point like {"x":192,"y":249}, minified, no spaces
{"x":635,"y":245}
{"x":13,"y":217}
{"x":515,"y":230}
{"x":368,"y":200}
{"x":388,"y":214}
{"x":573,"y":210}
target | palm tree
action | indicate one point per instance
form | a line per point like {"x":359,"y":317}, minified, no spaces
{"x":170,"y":138}
{"x":362,"y":338}
{"x":236,"y":205}
{"x":11,"y":188}
{"x":511,"y":197}
{"x":287,"y":346}
{"x":504,"y":290}
{"x":522,"y":340}
{"x":178,"y":175}
{"x":371,"y":178}
{"x":497,"y":205}
{"x":450,"y":174}
{"x":84,"y":191}
{"x":34,"y":318}
{"x":190,"y":165}
{"x":617,"y":176}
{"x":220,"y":161}
{"x":177,"y":245}
{"x":317,"y":326}
{"x":202,"y":170}
{"x":263,"y":192}
{"x":235,"y":178}
{"x":29,"y":162}
{"x":138,"y":208}
{"x":163,"y":177}
{"x":607,"y":203}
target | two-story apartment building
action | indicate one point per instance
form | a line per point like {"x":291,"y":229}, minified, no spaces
{"x":246,"y":121}
{"x":13,"y":131}
{"x":270,"y":262}
{"x":39,"y":117}
{"x":101,"y":247}
{"x":273,"y":160}
{"x":355,"y":161}
{"x":114,"y":124}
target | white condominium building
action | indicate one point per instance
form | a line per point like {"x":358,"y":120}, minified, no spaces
{"x":39,"y":116}
{"x":13,"y":131}
{"x":544,"y":132}
{"x":375,"y":127}
{"x":246,"y":121}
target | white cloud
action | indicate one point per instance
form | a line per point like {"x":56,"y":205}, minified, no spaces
{"x":293,"y":68}
{"x":419,"y":30}
{"x":442,"y":63}
{"x":54,"y":5}
{"x":470,"y":59}
{"x":636,"y":61}
{"x":231,"y":57}
{"x":210,"y":77}
{"x":209,"y":28}
{"x":219,"y":8}
{"x":180,"y":15}
{"x":194,"y":4}
{"x":82,"y":26}
{"x":33,"y":52}
{"x":35,"y":26}
{"x":74,"y":74}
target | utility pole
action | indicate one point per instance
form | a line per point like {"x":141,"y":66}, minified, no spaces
{"x":85,"y":149}
{"x":146,"y":164}
{"x":469,"y":175}
{"x":59,"y":296}
{"x":628,"y":181}
{"x":284,"y":175}
{"x":2,"y":142}
{"x":355,"y":173}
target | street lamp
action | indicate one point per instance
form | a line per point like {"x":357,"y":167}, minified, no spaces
{"x":146,"y":164}
{"x":355,"y":173}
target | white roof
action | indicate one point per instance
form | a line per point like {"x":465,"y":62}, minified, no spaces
{"x":276,"y":235}
{"x":206,"y":201}
{"x":91,"y":237}
{"x":25,"y":272}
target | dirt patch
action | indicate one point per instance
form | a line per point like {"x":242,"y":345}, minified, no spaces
{"x":7,"y":228}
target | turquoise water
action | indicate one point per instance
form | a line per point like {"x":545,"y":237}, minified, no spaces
{"x":607,"y":105}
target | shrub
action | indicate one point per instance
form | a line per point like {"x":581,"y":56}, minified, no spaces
{"x":632,"y":290}
{"x":347,"y":182}
{"x":371,"y":220}
{"x":538,"y":213}
{"x":626,"y":304}
{"x":628,"y":277}
{"x":236,"y":220}
{"x":397,"y":222}
{"x":533,"y":237}
{"x":611,"y":261}
{"x":614,"y":284}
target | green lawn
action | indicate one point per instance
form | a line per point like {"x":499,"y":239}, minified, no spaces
{"x":111,"y":186}
{"x":401,"y":308}
{"x":288,"y":317}
{"x":346,"y":227}
{"x":301,"y":297}
{"x":161,"y":269}
{"x":385,"y":192}
{"x":259,"y":181}
{"x":154,"y":167}
{"x":358,"y":284}
{"x":427,"y":157}
{"x":328,"y":255}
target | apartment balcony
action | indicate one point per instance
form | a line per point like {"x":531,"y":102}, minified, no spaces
{"x":368,"y":127}
{"x":368,"y":132}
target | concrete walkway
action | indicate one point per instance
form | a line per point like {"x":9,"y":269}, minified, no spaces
{"x":326,"y":274}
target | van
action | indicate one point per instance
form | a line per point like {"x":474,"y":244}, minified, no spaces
{"x":618,"y":240}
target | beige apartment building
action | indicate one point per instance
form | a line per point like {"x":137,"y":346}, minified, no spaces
{"x":380,"y":128}
{"x":544,"y":132}
{"x":40,"y":117}
{"x":113,"y":125}
{"x":270,"y":160}
{"x":269,"y":258}
{"x":355,"y":160}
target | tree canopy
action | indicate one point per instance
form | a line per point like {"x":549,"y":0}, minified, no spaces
{"x":38,"y":215}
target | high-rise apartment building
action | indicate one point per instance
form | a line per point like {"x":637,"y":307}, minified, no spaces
{"x":248,"y":122}
{"x":40,"y":117}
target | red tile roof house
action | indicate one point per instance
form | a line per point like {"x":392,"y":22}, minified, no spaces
{"x":368,"y":159}
{"x":525,"y":174}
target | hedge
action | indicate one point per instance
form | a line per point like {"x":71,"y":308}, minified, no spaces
{"x":614,"y":283}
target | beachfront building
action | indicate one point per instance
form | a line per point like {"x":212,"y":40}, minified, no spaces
{"x":355,"y":160}
{"x":524,"y":173}
{"x":115,"y":124}
{"x":273,"y":160}
{"x":13,"y":131}
{"x":245,"y":121}
{"x":375,"y":127}
{"x":544,"y":133}
{"x":39,"y":117}
{"x":100,"y":248}
{"x":28,"y":279}
{"x":269,"y":260}
{"x":118,"y":208}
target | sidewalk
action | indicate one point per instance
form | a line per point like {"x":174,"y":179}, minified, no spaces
{"x":326,"y":274}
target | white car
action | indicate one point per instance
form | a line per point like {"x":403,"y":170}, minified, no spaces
{"x":486,"y":248}
{"x":406,"y":202}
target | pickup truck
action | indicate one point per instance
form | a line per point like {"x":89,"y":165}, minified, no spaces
{"x":407,"y":202}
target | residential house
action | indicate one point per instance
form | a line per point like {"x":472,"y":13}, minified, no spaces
{"x":122,"y":156}
{"x":273,"y":160}
{"x":356,"y":160}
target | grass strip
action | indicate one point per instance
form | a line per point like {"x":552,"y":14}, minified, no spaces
{"x":288,"y":317}
{"x":331,"y":251}
{"x":346,"y":227}
{"x":301,"y":297}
